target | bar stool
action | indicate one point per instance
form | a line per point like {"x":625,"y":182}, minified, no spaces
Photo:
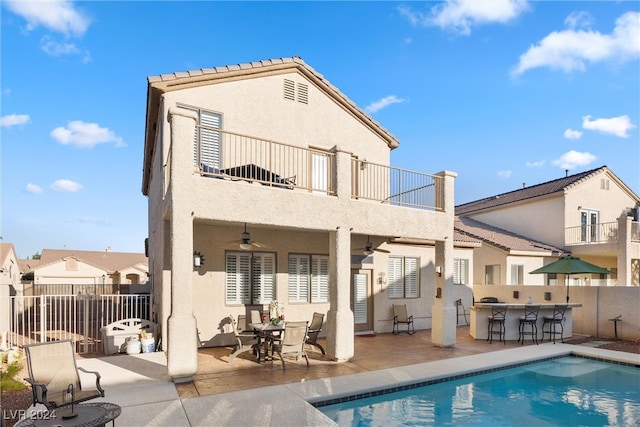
{"x":497,"y":318}
{"x":530,"y":318}
{"x":556,"y":319}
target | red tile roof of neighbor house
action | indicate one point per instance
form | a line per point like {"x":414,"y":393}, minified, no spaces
{"x":107,"y":260}
{"x":500,"y":238}
{"x":559,"y":185}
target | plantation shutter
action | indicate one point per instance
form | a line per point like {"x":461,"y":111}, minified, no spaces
{"x":411,"y":277}
{"x":394,"y":274}
{"x":298,"y":278}
{"x":360,"y":298}
{"x":460,"y":271}
{"x":238,"y":278}
{"x":319,"y":172}
{"x":263,"y":270}
{"x":210,"y":139}
{"x":320,"y":279}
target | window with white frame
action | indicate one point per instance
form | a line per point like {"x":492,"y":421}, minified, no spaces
{"x":308,"y":278}
{"x":492,"y":274}
{"x":460,"y":271}
{"x":517,"y":274}
{"x":250,"y":277}
{"x":403,"y":277}
{"x":207,"y":140}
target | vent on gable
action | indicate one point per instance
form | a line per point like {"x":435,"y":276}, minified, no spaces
{"x":291,"y":89}
{"x":303,"y":93}
{"x":604,"y":184}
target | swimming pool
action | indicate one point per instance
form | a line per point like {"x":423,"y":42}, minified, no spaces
{"x":560,"y":391}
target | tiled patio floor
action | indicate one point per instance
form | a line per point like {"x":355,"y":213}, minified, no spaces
{"x":373,"y":352}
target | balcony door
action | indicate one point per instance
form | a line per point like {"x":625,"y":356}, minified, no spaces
{"x":361,"y":300}
{"x":588,"y":226}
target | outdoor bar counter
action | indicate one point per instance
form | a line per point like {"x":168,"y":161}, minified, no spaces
{"x":479,"y":313}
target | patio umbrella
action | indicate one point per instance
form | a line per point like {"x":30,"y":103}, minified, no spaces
{"x":568,"y":265}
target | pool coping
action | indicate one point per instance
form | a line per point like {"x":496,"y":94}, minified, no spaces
{"x":293,"y":403}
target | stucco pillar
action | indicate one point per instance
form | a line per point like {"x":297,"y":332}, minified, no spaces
{"x":339,"y":326}
{"x":624,"y":251}
{"x":182,"y":350}
{"x":443,"y":324}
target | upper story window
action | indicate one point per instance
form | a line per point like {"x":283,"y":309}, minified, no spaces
{"x":207,"y":140}
{"x":589,"y":225}
{"x":517,"y":274}
{"x":403,"y":277}
{"x":492,"y":274}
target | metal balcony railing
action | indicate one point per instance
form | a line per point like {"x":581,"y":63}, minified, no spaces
{"x":606,"y":232}
{"x":233,"y":156}
{"x":396,"y":186}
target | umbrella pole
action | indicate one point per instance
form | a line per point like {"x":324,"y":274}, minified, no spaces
{"x":567,"y":282}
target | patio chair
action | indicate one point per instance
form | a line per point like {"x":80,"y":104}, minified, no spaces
{"x":55,"y":377}
{"x":552,"y":321}
{"x":530,"y":319}
{"x":314,"y":330}
{"x":400,"y":317}
{"x":292,"y":342}
{"x":245,"y":341}
{"x":497,"y":318}
{"x":256,"y":317}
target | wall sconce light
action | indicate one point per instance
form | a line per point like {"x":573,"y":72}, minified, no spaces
{"x":198,"y":260}
{"x":381,"y":280}
{"x":438,"y":292}
{"x":516,"y":294}
{"x":439,"y":271}
{"x":547,"y":296}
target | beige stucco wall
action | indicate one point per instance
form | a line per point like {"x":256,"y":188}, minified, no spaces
{"x":57,"y":273}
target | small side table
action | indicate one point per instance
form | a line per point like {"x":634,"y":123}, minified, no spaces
{"x":89,"y":414}
{"x":615,"y":321}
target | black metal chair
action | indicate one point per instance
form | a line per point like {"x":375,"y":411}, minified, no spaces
{"x":314,"y":330}
{"x":530,"y":319}
{"x":497,"y":318}
{"x":553,"y":321}
{"x":400,"y":316}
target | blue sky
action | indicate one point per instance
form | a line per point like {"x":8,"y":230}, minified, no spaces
{"x":501,"y":92}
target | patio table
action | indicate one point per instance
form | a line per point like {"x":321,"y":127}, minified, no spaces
{"x":265,"y":330}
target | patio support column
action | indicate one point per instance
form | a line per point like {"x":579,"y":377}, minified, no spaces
{"x":624,"y":251}
{"x":443,"y":323}
{"x":182,"y":350}
{"x":340,"y":340}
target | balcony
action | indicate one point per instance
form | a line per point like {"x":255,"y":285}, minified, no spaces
{"x":606,"y":232}
{"x":235,"y":157}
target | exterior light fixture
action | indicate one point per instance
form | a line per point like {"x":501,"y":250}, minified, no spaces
{"x":439,"y":271}
{"x":198,"y":260}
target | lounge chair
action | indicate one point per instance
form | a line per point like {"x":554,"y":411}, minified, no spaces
{"x":314,"y":330}
{"x":55,"y":377}
{"x":245,"y":341}
{"x":292,"y":342}
{"x":400,"y":317}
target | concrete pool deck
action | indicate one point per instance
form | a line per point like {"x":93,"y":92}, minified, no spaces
{"x":141,"y":386}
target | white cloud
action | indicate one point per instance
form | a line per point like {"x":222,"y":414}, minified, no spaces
{"x":573,"y":159}
{"x":572,"y":134}
{"x":617,"y":126}
{"x":14,"y":120}
{"x":578,"y":20}
{"x":376,"y":106}
{"x":66,"y":185}
{"x":33,"y":188}
{"x":536,"y":164}
{"x":571,"y":49}
{"x":460,"y":16}
{"x":55,"y":15}
{"x":85,"y":135}
{"x":505,"y":174}
{"x":54,"y":48}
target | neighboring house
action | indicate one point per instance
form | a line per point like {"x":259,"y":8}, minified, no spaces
{"x":265,"y":182}
{"x":9,"y":269}
{"x":592,"y":215}
{"x":115,"y":270}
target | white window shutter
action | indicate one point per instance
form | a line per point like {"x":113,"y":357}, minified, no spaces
{"x":320,"y":279}
{"x":298,"y":278}
{"x":238,"y":278}
{"x":319,"y":164}
{"x":411,"y":277}
{"x":394,"y":277}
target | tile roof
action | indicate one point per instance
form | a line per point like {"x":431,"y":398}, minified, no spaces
{"x":107,"y":260}
{"x":500,"y":238}
{"x":546,"y":188}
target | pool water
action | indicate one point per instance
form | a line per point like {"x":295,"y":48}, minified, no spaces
{"x":569,"y":391}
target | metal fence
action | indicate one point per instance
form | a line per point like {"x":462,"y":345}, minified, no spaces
{"x":41,"y":318}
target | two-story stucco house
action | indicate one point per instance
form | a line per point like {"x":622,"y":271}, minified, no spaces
{"x":592,"y":215}
{"x":265,"y":182}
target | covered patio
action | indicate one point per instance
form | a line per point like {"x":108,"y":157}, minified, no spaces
{"x":372,"y":352}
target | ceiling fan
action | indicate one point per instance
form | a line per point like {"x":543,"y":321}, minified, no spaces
{"x":245,"y":242}
{"x":369,"y":249}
